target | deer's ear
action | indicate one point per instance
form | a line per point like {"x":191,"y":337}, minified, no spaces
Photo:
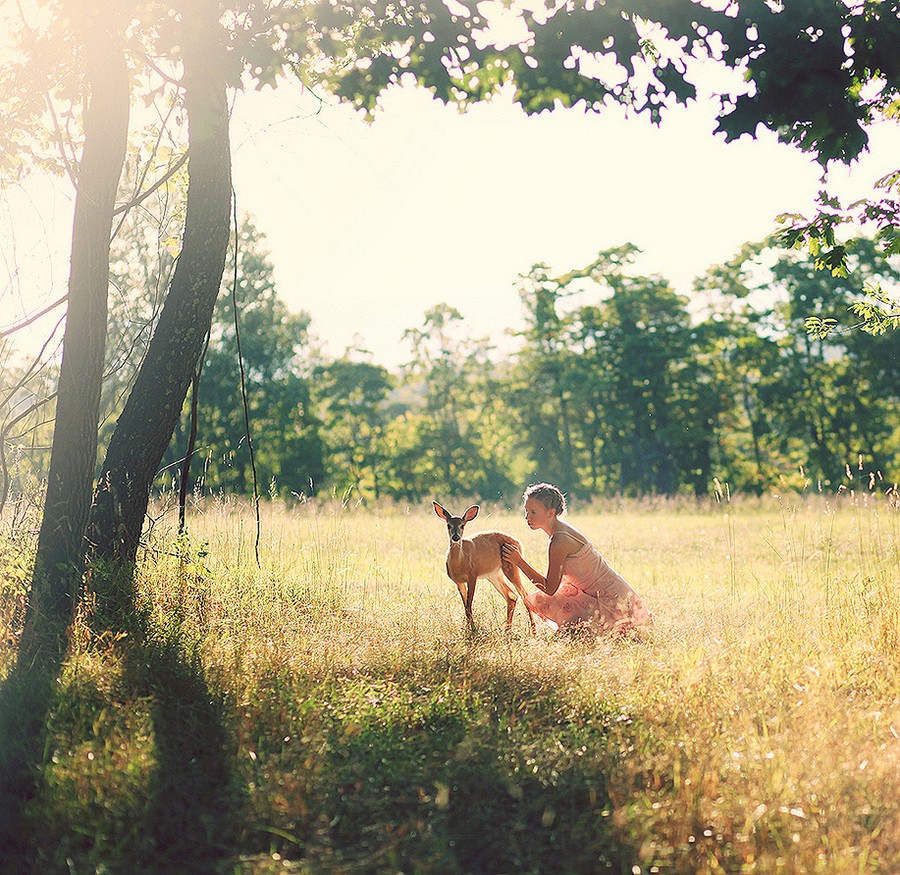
{"x":440,"y":511}
{"x":471,"y":513}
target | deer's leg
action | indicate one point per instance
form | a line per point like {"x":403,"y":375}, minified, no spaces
{"x":515,"y":578}
{"x":463,"y":594}
{"x":470,"y":597}
{"x":510,"y":610}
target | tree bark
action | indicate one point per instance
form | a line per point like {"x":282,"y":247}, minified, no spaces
{"x":26,"y":695}
{"x":59,"y":562}
{"x":151,"y":413}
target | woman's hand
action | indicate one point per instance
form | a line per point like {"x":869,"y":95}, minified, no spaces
{"x":510,"y":553}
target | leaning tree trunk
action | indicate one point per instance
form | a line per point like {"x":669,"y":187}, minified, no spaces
{"x":151,"y":413}
{"x":59,"y":561}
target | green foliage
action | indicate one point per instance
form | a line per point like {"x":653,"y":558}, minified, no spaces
{"x":615,"y":393}
{"x":275,"y":355}
{"x":353,"y":397}
{"x":820,"y":238}
{"x":455,"y":438}
{"x":819,"y":399}
{"x":616,"y":388}
{"x":879,"y":311}
{"x":808,"y":69}
{"x":619,"y":392}
{"x":805,"y":63}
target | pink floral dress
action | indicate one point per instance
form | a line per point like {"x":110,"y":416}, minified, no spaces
{"x":590,"y":592}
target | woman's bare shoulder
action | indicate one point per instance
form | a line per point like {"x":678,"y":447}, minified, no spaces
{"x":568,"y":538}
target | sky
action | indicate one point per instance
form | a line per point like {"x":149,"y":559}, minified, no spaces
{"x":371,"y":225}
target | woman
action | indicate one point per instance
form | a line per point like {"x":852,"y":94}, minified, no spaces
{"x":579,"y":587}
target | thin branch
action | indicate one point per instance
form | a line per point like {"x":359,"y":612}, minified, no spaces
{"x":163,"y":127}
{"x":4,"y":474}
{"x":180,"y":461}
{"x":157,"y":69}
{"x":33,"y":428}
{"x":237,"y":333}
{"x":192,"y":439}
{"x":140,"y":198}
{"x":32,"y":368}
{"x":159,"y":182}
{"x":4,"y":471}
{"x":28,"y":320}
{"x":61,"y":141}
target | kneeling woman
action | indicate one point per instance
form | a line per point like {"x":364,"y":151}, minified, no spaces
{"x":579,"y":587}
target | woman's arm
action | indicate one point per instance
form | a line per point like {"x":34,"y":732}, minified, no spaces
{"x":512,"y":554}
{"x":556,"y":555}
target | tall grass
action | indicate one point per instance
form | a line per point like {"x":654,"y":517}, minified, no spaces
{"x":327,"y":710}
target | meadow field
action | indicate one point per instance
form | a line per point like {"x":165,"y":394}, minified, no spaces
{"x":326,"y":710}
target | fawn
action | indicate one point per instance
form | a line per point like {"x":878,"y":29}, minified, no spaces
{"x":479,"y":556}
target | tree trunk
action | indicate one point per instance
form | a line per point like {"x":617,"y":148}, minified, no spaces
{"x":151,"y":413}
{"x":568,"y":454}
{"x":59,"y":561}
{"x":27,"y":693}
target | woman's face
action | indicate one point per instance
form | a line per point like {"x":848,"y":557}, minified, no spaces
{"x":538,"y":515}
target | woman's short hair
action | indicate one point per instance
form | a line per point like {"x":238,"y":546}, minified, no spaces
{"x":548,"y":495}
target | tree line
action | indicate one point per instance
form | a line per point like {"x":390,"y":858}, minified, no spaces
{"x":618,"y":385}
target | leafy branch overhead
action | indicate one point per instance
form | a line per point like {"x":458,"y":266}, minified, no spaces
{"x":878,"y":313}
{"x":806,"y":65}
{"x":816,"y":73}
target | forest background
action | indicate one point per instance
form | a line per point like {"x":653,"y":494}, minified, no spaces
{"x":618,"y":385}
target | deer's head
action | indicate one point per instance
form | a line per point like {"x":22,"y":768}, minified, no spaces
{"x":455,"y":524}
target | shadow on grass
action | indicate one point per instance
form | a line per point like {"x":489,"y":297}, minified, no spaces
{"x":27,"y":696}
{"x":482,"y":787}
{"x":189,"y":820}
{"x":185,"y":819}
{"x":453,"y":765}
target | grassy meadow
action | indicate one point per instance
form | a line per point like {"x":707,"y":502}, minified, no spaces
{"x":326,"y":710}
